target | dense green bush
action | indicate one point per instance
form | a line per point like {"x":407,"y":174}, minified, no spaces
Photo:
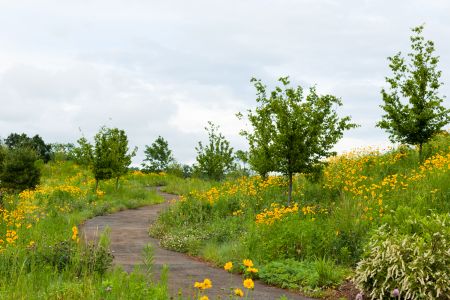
{"x":19,"y":169}
{"x":415,"y":259}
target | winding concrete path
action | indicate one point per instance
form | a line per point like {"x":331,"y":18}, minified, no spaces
{"x":129,"y":235}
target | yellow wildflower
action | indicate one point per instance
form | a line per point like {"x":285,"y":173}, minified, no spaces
{"x":239,"y":293}
{"x":74,"y":233}
{"x":199,"y":285}
{"x":248,"y":263}
{"x":249,"y":284}
{"x":207,"y":283}
{"x":228,"y":266}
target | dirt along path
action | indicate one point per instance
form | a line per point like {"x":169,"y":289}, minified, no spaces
{"x":129,"y":236}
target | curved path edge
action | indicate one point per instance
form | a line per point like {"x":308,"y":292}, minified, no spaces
{"x":129,"y":236}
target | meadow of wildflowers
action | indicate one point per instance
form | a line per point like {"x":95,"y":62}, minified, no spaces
{"x":43,"y":256}
{"x":329,"y":221}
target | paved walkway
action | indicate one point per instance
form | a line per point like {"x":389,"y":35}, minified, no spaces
{"x":129,"y":235}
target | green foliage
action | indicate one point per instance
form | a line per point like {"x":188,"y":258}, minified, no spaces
{"x":179,"y":170}
{"x":15,"y":140}
{"x":111,"y":158}
{"x":215,"y":159}
{"x":293,"y":133}
{"x":83,"y":154}
{"x":158,"y":156}
{"x":415,"y":259}
{"x":243,"y":159}
{"x":416,"y":81}
{"x":302,"y":275}
{"x":3,"y":151}
{"x":61,"y":152}
{"x":19,"y":169}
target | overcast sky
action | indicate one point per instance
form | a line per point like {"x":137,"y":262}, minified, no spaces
{"x":167,"y":67}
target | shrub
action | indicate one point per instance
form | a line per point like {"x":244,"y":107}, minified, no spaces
{"x":414,"y":259}
{"x":19,"y":170}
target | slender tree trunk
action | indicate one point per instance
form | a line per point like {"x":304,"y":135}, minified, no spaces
{"x":420,"y":152}
{"x":96,"y":185}
{"x":290,"y":189}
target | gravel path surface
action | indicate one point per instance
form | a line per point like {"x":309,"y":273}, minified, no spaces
{"x":129,"y":235}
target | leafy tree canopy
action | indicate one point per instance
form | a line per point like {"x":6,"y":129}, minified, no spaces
{"x":412,"y":104}
{"x":83,"y":153}
{"x":111,"y":157}
{"x":293,"y":133}
{"x":158,"y":156}
{"x":214,"y":159}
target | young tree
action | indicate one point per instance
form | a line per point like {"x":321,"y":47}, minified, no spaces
{"x":83,"y":154}
{"x":158,"y":156}
{"x":110,"y":156}
{"x":412,"y":103}
{"x":260,"y":156}
{"x":215,"y":158}
{"x":18,"y":169}
{"x":298,"y":132}
{"x":242,"y":156}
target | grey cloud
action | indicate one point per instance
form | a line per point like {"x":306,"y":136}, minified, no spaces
{"x":130,"y":63}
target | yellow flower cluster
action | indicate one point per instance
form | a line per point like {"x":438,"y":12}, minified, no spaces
{"x":277,"y":212}
{"x":45,"y":191}
{"x":436,"y":163}
{"x":11,"y":236}
{"x":349,"y":173}
{"x":75,"y":234}
{"x":245,"y":186}
{"x":99,"y":193}
{"x":206,"y":284}
{"x":248,"y":281}
{"x":19,"y":219}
